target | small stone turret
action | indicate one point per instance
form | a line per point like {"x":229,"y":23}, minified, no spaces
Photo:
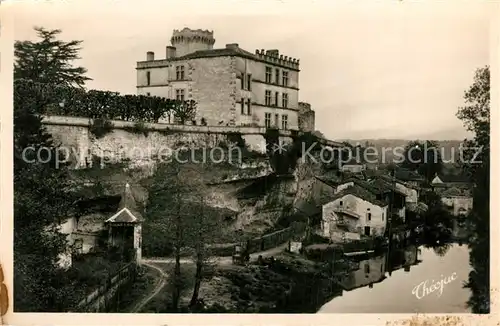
{"x":188,"y":41}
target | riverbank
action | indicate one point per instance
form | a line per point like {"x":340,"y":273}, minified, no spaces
{"x":289,"y":283}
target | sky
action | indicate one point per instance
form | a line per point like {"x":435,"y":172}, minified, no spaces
{"x":373,"y":69}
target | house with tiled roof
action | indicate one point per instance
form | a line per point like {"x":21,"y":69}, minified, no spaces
{"x":382,"y":191}
{"x":231,"y":86}
{"x":353,"y":165}
{"x":98,"y":220}
{"x":125,"y":226}
{"x":443,"y":181}
{"x":409,"y":176}
{"x":354,"y":210}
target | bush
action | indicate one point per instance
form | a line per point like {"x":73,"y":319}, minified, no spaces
{"x":138,"y":128}
{"x":100,"y":127}
{"x":235,"y":137}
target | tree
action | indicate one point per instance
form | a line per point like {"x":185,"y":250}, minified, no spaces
{"x":177,"y":205}
{"x":205,"y":224}
{"x":184,"y":111}
{"x":41,"y":202}
{"x":476,"y":118}
{"x":423,"y":157}
{"x":42,"y":197}
{"x":49,"y":60}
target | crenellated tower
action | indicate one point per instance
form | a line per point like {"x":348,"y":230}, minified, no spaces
{"x":188,"y":41}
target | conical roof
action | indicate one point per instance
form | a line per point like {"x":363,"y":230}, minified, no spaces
{"x":127,"y":209}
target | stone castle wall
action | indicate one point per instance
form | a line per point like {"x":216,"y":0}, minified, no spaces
{"x":306,"y":117}
{"x":161,"y":140}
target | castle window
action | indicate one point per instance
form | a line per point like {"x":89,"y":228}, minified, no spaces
{"x":276,"y":120}
{"x":242,"y":81}
{"x":277,"y":80}
{"x":382,"y":216}
{"x":285,"y":78}
{"x":249,"y":82}
{"x":341,"y":203}
{"x":249,"y":106}
{"x":269,"y":72}
{"x":268,"y":98}
{"x":267,"y":120}
{"x":148,"y":78}
{"x":276,"y":98}
{"x":369,"y":215}
{"x":179,"y":94}
{"x":148,"y":93}
{"x":179,"y":72}
{"x":284,"y":122}
{"x":367,"y":268}
{"x":242,"y":106}
{"x":284,"y":100}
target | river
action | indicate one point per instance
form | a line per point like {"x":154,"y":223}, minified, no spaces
{"x":387,"y":283}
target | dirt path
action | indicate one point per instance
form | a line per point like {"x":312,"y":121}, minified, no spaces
{"x":221,"y":261}
{"x":162,"y":281}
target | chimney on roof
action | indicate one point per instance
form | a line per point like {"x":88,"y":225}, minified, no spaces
{"x":150,"y":56}
{"x":232,"y":46}
{"x":171,"y":52}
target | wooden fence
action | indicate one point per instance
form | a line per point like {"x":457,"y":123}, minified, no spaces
{"x":265,"y":242}
{"x":106,"y":298}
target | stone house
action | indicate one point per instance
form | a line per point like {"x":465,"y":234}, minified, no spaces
{"x":96,"y":231}
{"x":457,"y":202}
{"x":354,"y":210}
{"x":232,"y":87}
{"x":382,"y":190}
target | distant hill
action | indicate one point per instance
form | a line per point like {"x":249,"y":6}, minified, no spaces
{"x":448,"y":148}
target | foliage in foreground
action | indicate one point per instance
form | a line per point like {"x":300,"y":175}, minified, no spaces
{"x":476,"y":118}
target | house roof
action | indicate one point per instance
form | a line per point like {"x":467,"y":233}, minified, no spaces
{"x":388,"y":178}
{"x":123,"y":216}
{"x":385,"y":186}
{"x":373,"y":188}
{"x":452,"y":178}
{"x":361,"y":193}
{"x":353,"y":161}
{"x":127,"y":209}
{"x":408,"y":175}
{"x":452,"y":192}
{"x":329,"y":180}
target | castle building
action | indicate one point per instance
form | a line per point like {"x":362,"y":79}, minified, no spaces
{"x":231,"y":86}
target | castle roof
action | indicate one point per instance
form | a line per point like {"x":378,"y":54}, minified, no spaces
{"x":232,"y":50}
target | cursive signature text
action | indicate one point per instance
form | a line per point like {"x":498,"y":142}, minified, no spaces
{"x":426,"y":287}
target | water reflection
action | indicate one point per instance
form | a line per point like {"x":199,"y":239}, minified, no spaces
{"x":384,"y":283}
{"x":373,"y":270}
